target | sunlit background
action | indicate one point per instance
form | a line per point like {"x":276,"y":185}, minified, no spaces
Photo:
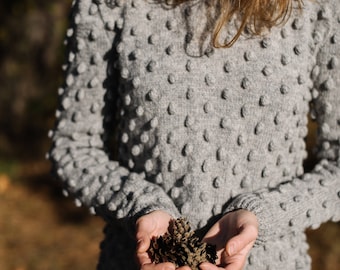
{"x":39,"y":228}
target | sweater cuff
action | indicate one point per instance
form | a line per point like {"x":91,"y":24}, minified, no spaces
{"x":262,"y":210}
{"x":148,"y":197}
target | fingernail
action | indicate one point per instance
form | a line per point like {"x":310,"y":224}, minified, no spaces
{"x":139,"y":244}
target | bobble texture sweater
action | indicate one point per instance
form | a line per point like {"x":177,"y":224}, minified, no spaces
{"x":200,"y":131}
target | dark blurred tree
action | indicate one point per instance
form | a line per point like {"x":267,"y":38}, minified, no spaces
{"x":31,"y":53}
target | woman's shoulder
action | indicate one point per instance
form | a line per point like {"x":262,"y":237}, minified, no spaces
{"x":102,"y":15}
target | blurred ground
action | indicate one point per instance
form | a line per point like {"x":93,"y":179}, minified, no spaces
{"x":40,"y":229}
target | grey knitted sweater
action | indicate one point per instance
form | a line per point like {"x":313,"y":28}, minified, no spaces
{"x":200,"y":131}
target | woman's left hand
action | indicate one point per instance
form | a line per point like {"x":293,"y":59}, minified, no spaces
{"x":234,"y":235}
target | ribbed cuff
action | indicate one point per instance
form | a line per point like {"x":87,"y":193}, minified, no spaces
{"x":261,"y":209}
{"x":148,"y":198}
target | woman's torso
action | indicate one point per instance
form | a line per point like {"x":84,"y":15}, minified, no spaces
{"x":207,"y":124}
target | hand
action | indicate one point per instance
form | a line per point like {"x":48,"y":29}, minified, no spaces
{"x":234,"y":235}
{"x":152,"y":225}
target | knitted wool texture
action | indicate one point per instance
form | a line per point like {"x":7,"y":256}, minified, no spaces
{"x":200,"y":131}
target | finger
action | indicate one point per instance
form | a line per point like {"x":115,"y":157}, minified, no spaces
{"x":143,"y":235}
{"x":143,"y":258}
{"x":236,"y":263}
{"x":246,"y":236}
{"x":208,"y":266}
{"x":160,"y":266}
{"x":184,"y":268}
{"x":143,"y":243}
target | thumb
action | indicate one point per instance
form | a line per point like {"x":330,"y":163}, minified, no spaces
{"x":143,"y":233}
{"x":246,"y":236}
{"x":143,"y":242}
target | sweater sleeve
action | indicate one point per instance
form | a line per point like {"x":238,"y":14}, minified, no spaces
{"x":314,"y":198}
{"x":79,"y":153}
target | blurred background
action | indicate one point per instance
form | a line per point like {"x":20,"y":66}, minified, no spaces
{"x":39,"y":228}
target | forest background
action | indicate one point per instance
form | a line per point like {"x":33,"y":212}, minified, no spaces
{"x":39,"y":228}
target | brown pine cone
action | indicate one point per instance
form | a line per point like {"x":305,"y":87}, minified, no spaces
{"x":181,"y":246}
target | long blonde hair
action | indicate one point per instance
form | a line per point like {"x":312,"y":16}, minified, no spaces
{"x":259,"y":15}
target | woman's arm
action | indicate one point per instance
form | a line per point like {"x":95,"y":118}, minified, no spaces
{"x":315,"y":197}
{"x":79,"y":155}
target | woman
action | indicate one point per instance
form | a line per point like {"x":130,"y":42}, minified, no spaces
{"x":213,"y":134}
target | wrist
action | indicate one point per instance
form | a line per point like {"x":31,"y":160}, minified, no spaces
{"x":258,"y":207}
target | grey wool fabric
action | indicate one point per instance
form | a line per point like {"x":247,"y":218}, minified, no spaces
{"x":151,"y":117}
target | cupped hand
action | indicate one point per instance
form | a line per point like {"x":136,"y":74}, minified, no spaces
{"x":234,"y":235}
{"x":152,"y":225}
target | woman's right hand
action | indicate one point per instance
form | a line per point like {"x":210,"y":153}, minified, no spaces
{"x":152,"y":225}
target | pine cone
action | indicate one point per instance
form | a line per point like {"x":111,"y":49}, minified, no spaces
{"x":181,"y":246}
